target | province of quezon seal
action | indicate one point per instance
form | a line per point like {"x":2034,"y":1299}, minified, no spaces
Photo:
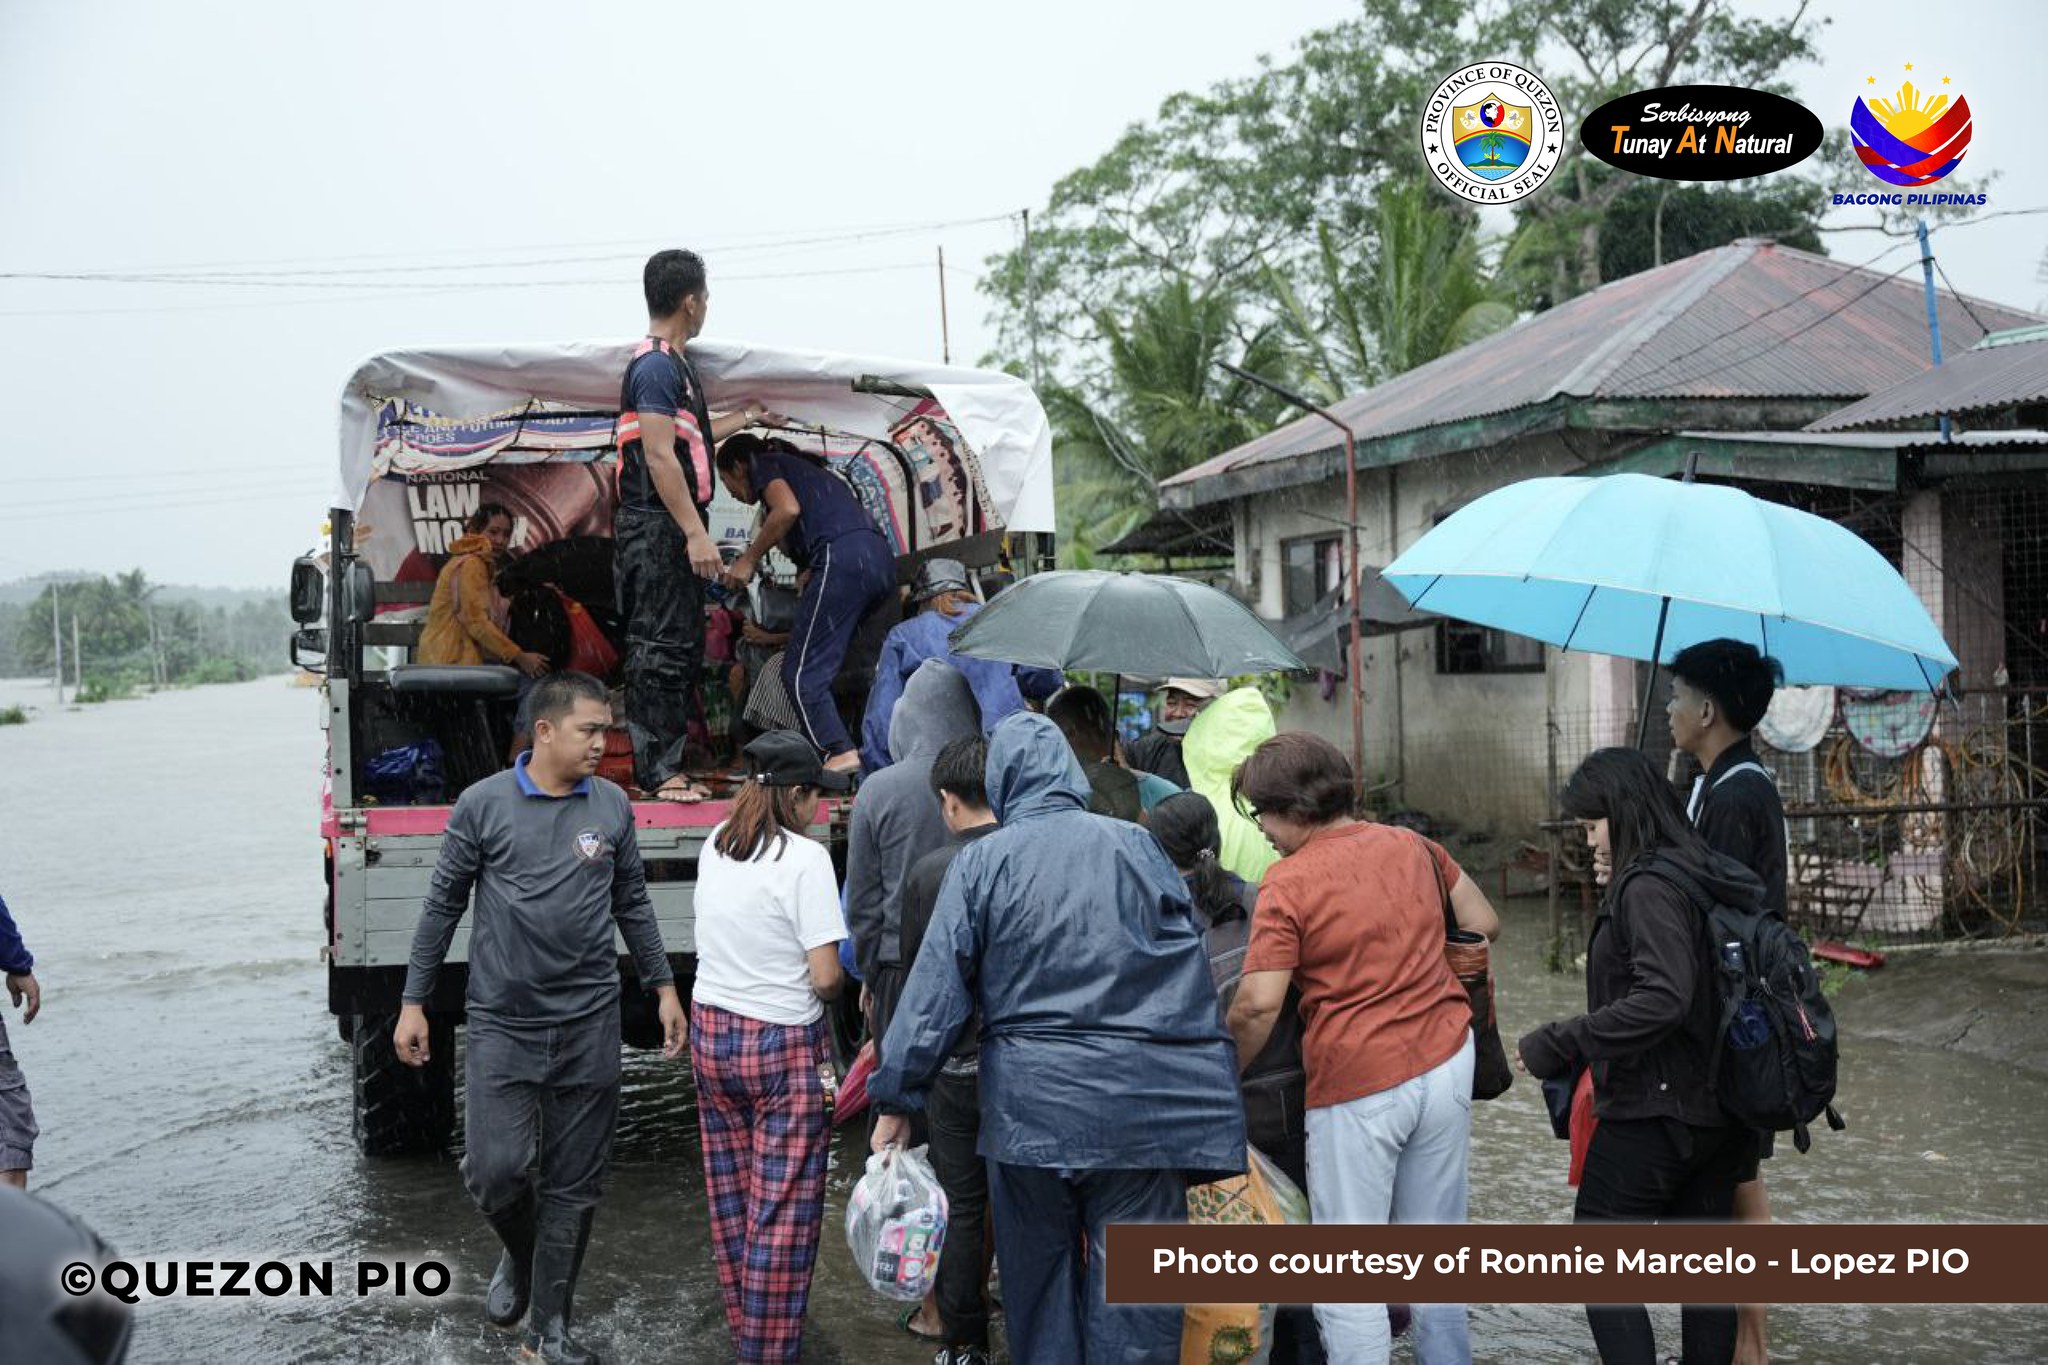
{"x":1492,"y":133}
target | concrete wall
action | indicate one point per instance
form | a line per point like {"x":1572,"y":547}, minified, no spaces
{"x":1472,"y":748}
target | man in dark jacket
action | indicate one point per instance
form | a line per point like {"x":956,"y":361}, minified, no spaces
{"x":953,"y":1108}
{"x":1107,"y":1080}
{"x":1158,"y":750}
{"x":896,"y":821}
{"x":1720,"y":690}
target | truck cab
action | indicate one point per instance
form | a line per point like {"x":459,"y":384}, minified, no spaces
{"x":947,"y":461}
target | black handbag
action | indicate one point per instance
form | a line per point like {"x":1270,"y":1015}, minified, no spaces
{"x":1470,"y":958}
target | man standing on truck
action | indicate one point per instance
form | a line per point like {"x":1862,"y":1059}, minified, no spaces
{"x":551,"y":852}
{"x":662,"y":553}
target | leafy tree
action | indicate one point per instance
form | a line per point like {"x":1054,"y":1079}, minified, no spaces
{"x":115,"y":619}
{"x":1418,"y":290}
{"x":1164,"y":406}
{"x":1256,"y":184}
{"x":1226,"y":183}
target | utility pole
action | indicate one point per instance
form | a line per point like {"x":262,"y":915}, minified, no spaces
{"x":1933,"y":318}
{"x":945,"y":330}
{"x":77,"y":657}
{"x":57,"y":644}
{"x":156,"y":656}
{"x":1031,"y":302}
{"x":1354,"y":666}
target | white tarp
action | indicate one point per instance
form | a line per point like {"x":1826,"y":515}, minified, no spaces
{"x":998,"y":413}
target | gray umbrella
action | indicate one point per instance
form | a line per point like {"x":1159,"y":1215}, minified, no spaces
{"x":1131,"y":623}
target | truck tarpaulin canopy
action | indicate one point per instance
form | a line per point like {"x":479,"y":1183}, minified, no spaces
{"x":451,"y":407}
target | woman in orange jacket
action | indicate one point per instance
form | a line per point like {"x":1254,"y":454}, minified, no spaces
{"x":460,"y":628}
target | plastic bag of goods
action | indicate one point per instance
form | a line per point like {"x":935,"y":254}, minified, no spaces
{"x":1226,"y":1334}
{"x":896,"y":1224}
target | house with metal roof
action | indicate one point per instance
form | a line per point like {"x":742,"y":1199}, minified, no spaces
{"x":1744,"y":354}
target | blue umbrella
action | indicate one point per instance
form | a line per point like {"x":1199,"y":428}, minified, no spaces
{"x":1641,"y":567}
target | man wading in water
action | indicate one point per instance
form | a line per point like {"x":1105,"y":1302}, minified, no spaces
{"x":550,"y":850}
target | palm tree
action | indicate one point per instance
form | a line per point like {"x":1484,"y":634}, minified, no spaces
{"x":1163,"y":407}
{"x":1422,"y":291}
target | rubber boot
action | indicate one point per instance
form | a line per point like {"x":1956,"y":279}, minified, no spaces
{"x":563,"y":1236}
{"x":505,"y":1303}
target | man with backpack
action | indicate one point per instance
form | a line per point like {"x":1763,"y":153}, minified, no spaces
{"x":1720,"y":690}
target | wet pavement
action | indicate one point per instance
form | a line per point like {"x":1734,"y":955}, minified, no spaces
{"x":163,"y":859}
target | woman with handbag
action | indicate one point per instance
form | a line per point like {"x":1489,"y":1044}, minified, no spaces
{"x":1663,"y":1147}
{"x":1353,"y":914}
{"x":1274,"y":1086}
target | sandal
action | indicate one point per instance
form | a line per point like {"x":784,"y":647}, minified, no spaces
{"x":908,"y":1317}
{"x":681,"y":791}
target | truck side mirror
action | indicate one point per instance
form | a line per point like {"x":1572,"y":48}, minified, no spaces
{"x":308,"y":591}
{"x":309,"y":650}
{"x":359,"y":593}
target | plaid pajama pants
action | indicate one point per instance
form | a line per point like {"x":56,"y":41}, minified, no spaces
{"x":767,"y":1136}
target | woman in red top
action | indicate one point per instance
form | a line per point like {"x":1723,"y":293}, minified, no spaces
{"x":1353,"y":915}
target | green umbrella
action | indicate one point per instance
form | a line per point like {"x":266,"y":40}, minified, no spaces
{"x":1149,"y":625}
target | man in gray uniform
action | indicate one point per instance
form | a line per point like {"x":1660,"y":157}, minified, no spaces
{"x":550,"y":850}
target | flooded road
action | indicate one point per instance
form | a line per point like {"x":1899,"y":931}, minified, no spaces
{"x":162,"y":857}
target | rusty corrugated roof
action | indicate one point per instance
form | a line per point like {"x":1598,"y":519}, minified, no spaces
{"x":1749,"y":320}
{"x":2006,"y":369}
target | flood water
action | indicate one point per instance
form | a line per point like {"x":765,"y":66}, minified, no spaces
{"x":163,"y":859}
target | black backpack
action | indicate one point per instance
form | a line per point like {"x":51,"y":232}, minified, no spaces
{"x":1773,"y":1064}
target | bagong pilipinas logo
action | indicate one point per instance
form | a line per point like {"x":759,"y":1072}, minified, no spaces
{"x":1915,"y":138}
{"x":1491,"y":132}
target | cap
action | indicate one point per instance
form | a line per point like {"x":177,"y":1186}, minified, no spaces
{"x":935,"y":576}
{"x":784,"y":758}
{"x":1205,"y":689}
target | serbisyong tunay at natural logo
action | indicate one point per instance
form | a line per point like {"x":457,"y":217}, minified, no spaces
{"x":1702,"y":132}
{"x":1491,"y":132}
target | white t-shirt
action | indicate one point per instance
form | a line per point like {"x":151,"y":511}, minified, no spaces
{"x":756,"y":921}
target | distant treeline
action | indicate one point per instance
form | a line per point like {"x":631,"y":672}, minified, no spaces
{"x":135,"y":634}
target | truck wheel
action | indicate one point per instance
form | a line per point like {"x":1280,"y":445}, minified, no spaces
{"x":401,"y":1110}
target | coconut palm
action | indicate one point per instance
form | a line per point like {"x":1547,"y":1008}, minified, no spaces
{"x":1420,"y":291}
{"x":1162,"y":406}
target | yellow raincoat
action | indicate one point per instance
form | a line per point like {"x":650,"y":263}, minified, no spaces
{"x":1223,"y":736}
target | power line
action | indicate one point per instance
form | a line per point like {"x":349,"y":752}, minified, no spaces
{"x":1800,"y":297}
{"x":384,"y":290}
{"x":236,"y":282}
{"x":181,"y":497}
{"x":327,"y":266}
{"x":1776,"y":342}
{"x":1957,"y":295}
{"x":115,"y":509}
{"x":153,"y":475}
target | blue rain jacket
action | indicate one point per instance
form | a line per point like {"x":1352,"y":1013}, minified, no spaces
{"x":1073,"y":935}
{"x":1000,"y":689}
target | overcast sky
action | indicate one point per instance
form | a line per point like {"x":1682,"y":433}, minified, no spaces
{"x":189,"y":429}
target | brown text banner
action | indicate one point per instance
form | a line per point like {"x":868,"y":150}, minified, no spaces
{"x":1580,"y":1263}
